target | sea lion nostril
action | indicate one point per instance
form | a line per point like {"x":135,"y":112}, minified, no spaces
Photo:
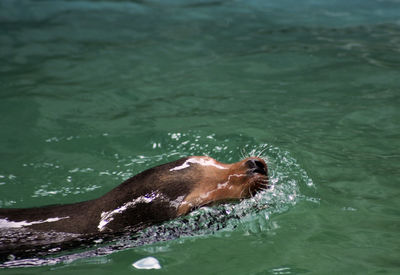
{"x":259,"y":164}
{"x":256,"y":166}
{"x":254,"y":163}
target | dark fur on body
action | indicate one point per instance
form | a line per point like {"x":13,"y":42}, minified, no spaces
{"x":84,"y":217}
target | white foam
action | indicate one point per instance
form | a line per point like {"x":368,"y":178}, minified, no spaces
{"x":147,"y":263}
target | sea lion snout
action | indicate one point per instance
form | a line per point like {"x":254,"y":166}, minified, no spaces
{"x":257,"y":165}
{"x":257,"y":173}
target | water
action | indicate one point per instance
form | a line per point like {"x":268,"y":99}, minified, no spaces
{"x":93,"y":92}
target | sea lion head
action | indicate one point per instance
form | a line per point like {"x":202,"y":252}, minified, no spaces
{"x":218,"y":181}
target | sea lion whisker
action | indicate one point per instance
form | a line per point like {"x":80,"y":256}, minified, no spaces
{"x":261,"y":152}
{"x":241,"y":193}
{"x":251,"y":193}
{"x":243,"y":153}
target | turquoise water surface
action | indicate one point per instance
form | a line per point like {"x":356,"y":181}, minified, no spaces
{"x":94,"y":92}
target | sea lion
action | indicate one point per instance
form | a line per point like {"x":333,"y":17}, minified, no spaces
{"x":153,"y":196}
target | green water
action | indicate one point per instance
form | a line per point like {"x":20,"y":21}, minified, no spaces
{"x":93,"y":92}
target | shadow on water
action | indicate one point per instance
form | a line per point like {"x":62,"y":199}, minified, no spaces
{"x":290,"y":183}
